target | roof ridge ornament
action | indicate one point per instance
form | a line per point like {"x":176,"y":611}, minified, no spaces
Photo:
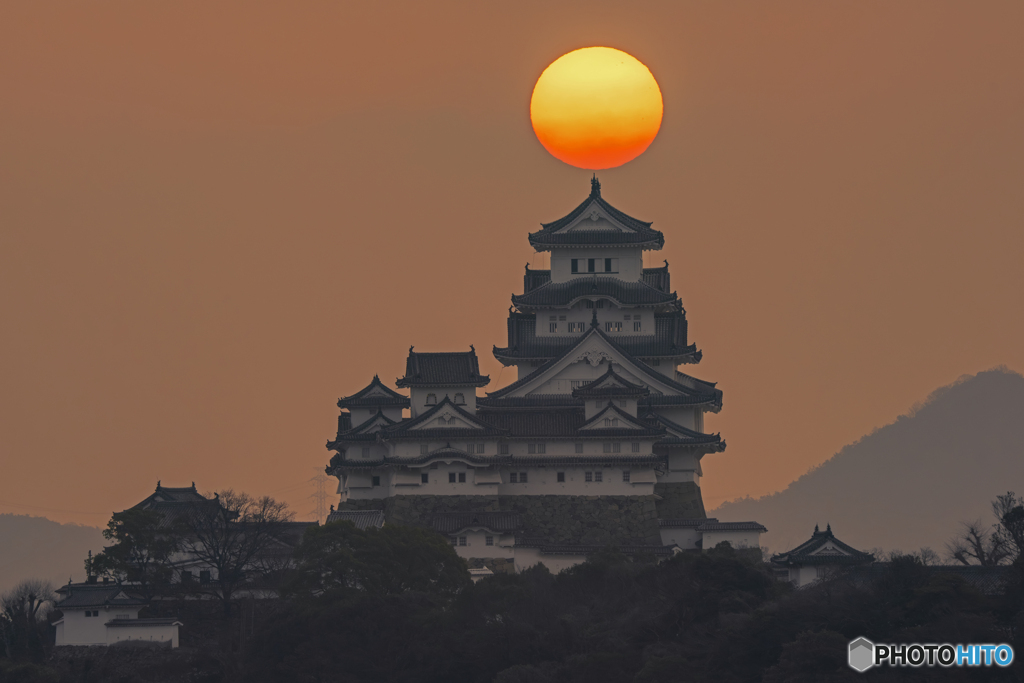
{"x":595,"y":187}
{"x":593,"y":320}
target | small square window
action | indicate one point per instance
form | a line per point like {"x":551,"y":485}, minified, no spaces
{"x":451,"y":477}
{"x":625,"y":317}
{"x":376,"y":481}
{"x":513,"y":477}
{"x":598,"y":476}
{"x":553,"y":317}
{"x":560,"y":477}
{"x":424,"y":478}
{"x":522,"y":477}
{"x":488,"y":540}
{"x":588,"y":476}
{"x":503,"y":449}
{"x":462,"y":477}
{"x":575,"y":265}
{"x":625,"y":476}
{"x":204,"y":576}
{"x":561,"y":318}
{"x":552,"y":327}
{"x":462,"y":540}
{"x":636,"y":447}
{"x":579,"y":448}
{"x":591,"y":265}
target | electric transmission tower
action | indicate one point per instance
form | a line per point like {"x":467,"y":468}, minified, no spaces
{"x":319,"y":496}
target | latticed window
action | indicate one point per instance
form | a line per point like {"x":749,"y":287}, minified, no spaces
{"x":424,"y":478}
{"x":552,"y":327}
{"x":598,"y":476}
{"x":462,"y":540}
{"x":431,"y":399}
{"x":560,"y":477}
{"x":613,"y":327}
{"x":588,"y":476}
{"x":522,"y":477}
{"x":503,"y":449}
{"x":579,"y":448}
{"x":488,"y":540}
{"x":636,"y":447}
{"x":625,"y":476}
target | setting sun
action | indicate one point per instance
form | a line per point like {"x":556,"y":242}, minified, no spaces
{"x":596,"y":107}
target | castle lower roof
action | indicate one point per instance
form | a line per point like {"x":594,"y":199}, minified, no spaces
{"x":814,"y":552}
{"x":448,"y":369}
{"x":499,"y":521}
{"x":374,"y":395}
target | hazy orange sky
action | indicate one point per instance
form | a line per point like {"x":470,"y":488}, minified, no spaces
{"x":216,"y":218}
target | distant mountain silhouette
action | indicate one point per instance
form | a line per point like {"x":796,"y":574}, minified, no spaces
{"x":38,"y":548}
{"x":909,"y":484}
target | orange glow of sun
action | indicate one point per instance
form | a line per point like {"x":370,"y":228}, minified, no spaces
{"x":596,"y":107}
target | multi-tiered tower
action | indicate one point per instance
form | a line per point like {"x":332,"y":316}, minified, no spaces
{"x":599,"y":440}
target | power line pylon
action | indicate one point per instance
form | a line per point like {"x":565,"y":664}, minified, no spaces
{"x":319,"y":496}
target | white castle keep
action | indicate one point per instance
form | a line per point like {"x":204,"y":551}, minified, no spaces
{"x":598,"y":442}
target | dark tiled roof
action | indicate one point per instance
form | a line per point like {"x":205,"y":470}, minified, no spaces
{"x":632,"y":425}
{"x":460,"y":368}
{"x":680,"y":435}
{"x":175,"y":504}
{"x":643,"y":234}
{"x":548,"y":401}
{"x":167,"y":494}
{"x":362,"y":433}
{"x":709,"y":395}
{"x":612,"y":459}
{"x":83,"y":595}
{"x":363,"y":519}
{"x":803,"y":554}
{"x":374,"y":395}
{"x":658,"y":278}
{"x":145,"y":621}
{"x":542,"y":423}
{"x":715,"y":525}
{"x":566,"y":294}
{"x":684,"y":523}
{"x":500,"y":521}
{"x":610,"y":384}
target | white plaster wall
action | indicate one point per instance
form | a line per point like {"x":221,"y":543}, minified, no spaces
{"x":630,"y":262}
{"x":82,"y":630}
{"x":476,"y":545}
{"x":152,"y":633}
{"x":684,"y":537}
{"x":581,"y":314}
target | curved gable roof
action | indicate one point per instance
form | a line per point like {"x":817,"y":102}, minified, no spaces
{"x":374,"y":395}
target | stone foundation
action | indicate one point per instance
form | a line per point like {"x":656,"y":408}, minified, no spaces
{"x":592,"y":520}
{"x":680,"y":501}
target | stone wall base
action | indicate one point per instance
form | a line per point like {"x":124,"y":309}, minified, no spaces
{"x":680,"y":501}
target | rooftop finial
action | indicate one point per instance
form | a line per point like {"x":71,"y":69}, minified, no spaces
{"x":595,"y":187}
{"x":828,"y":528}
{"x":816,"y":529}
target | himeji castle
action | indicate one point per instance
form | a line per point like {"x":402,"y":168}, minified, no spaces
{"x":598,"y":441}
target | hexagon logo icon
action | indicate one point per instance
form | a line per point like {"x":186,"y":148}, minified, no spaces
{"x":861,"y":654}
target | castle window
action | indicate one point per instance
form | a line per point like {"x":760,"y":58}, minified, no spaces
{"x":574,"y":265}
{"x":579,"y":448}
{"x":462,"y":540}
{"x":561,"y":317}
{"x":616,"y":447}
{"x":625,"y":476}
{"x":366,"y":452}
{"x":513,"y":477}
{"x":431,"y":399}
{"x":503,"y":449}
{"x":423,"y":449}
{"x":462,"y":477}
{"x":424,"y":478}
{"x":590,"y":304}
{"x":522,"y":477}
{"x":454,"y":540}
{"x":588,"y":476}
{"x":575,"y":327}
{"x":636,"y":326}
{"x":560,"y":477}
{"x":625,"y":317}
{"x":451,"y":477}
{"x":636,"y":447}
{"x":613,"y":327}
{"x":600,"y":303}
{"x":460,"y":400}
{"x":591,"y":265}
{"x":598,"y":476}
{"x":536,"y":449}
{"x":488,"y":540}
{"x":611,"y":265}
{"x":376,"y":481}
{"x":552,"y":327}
